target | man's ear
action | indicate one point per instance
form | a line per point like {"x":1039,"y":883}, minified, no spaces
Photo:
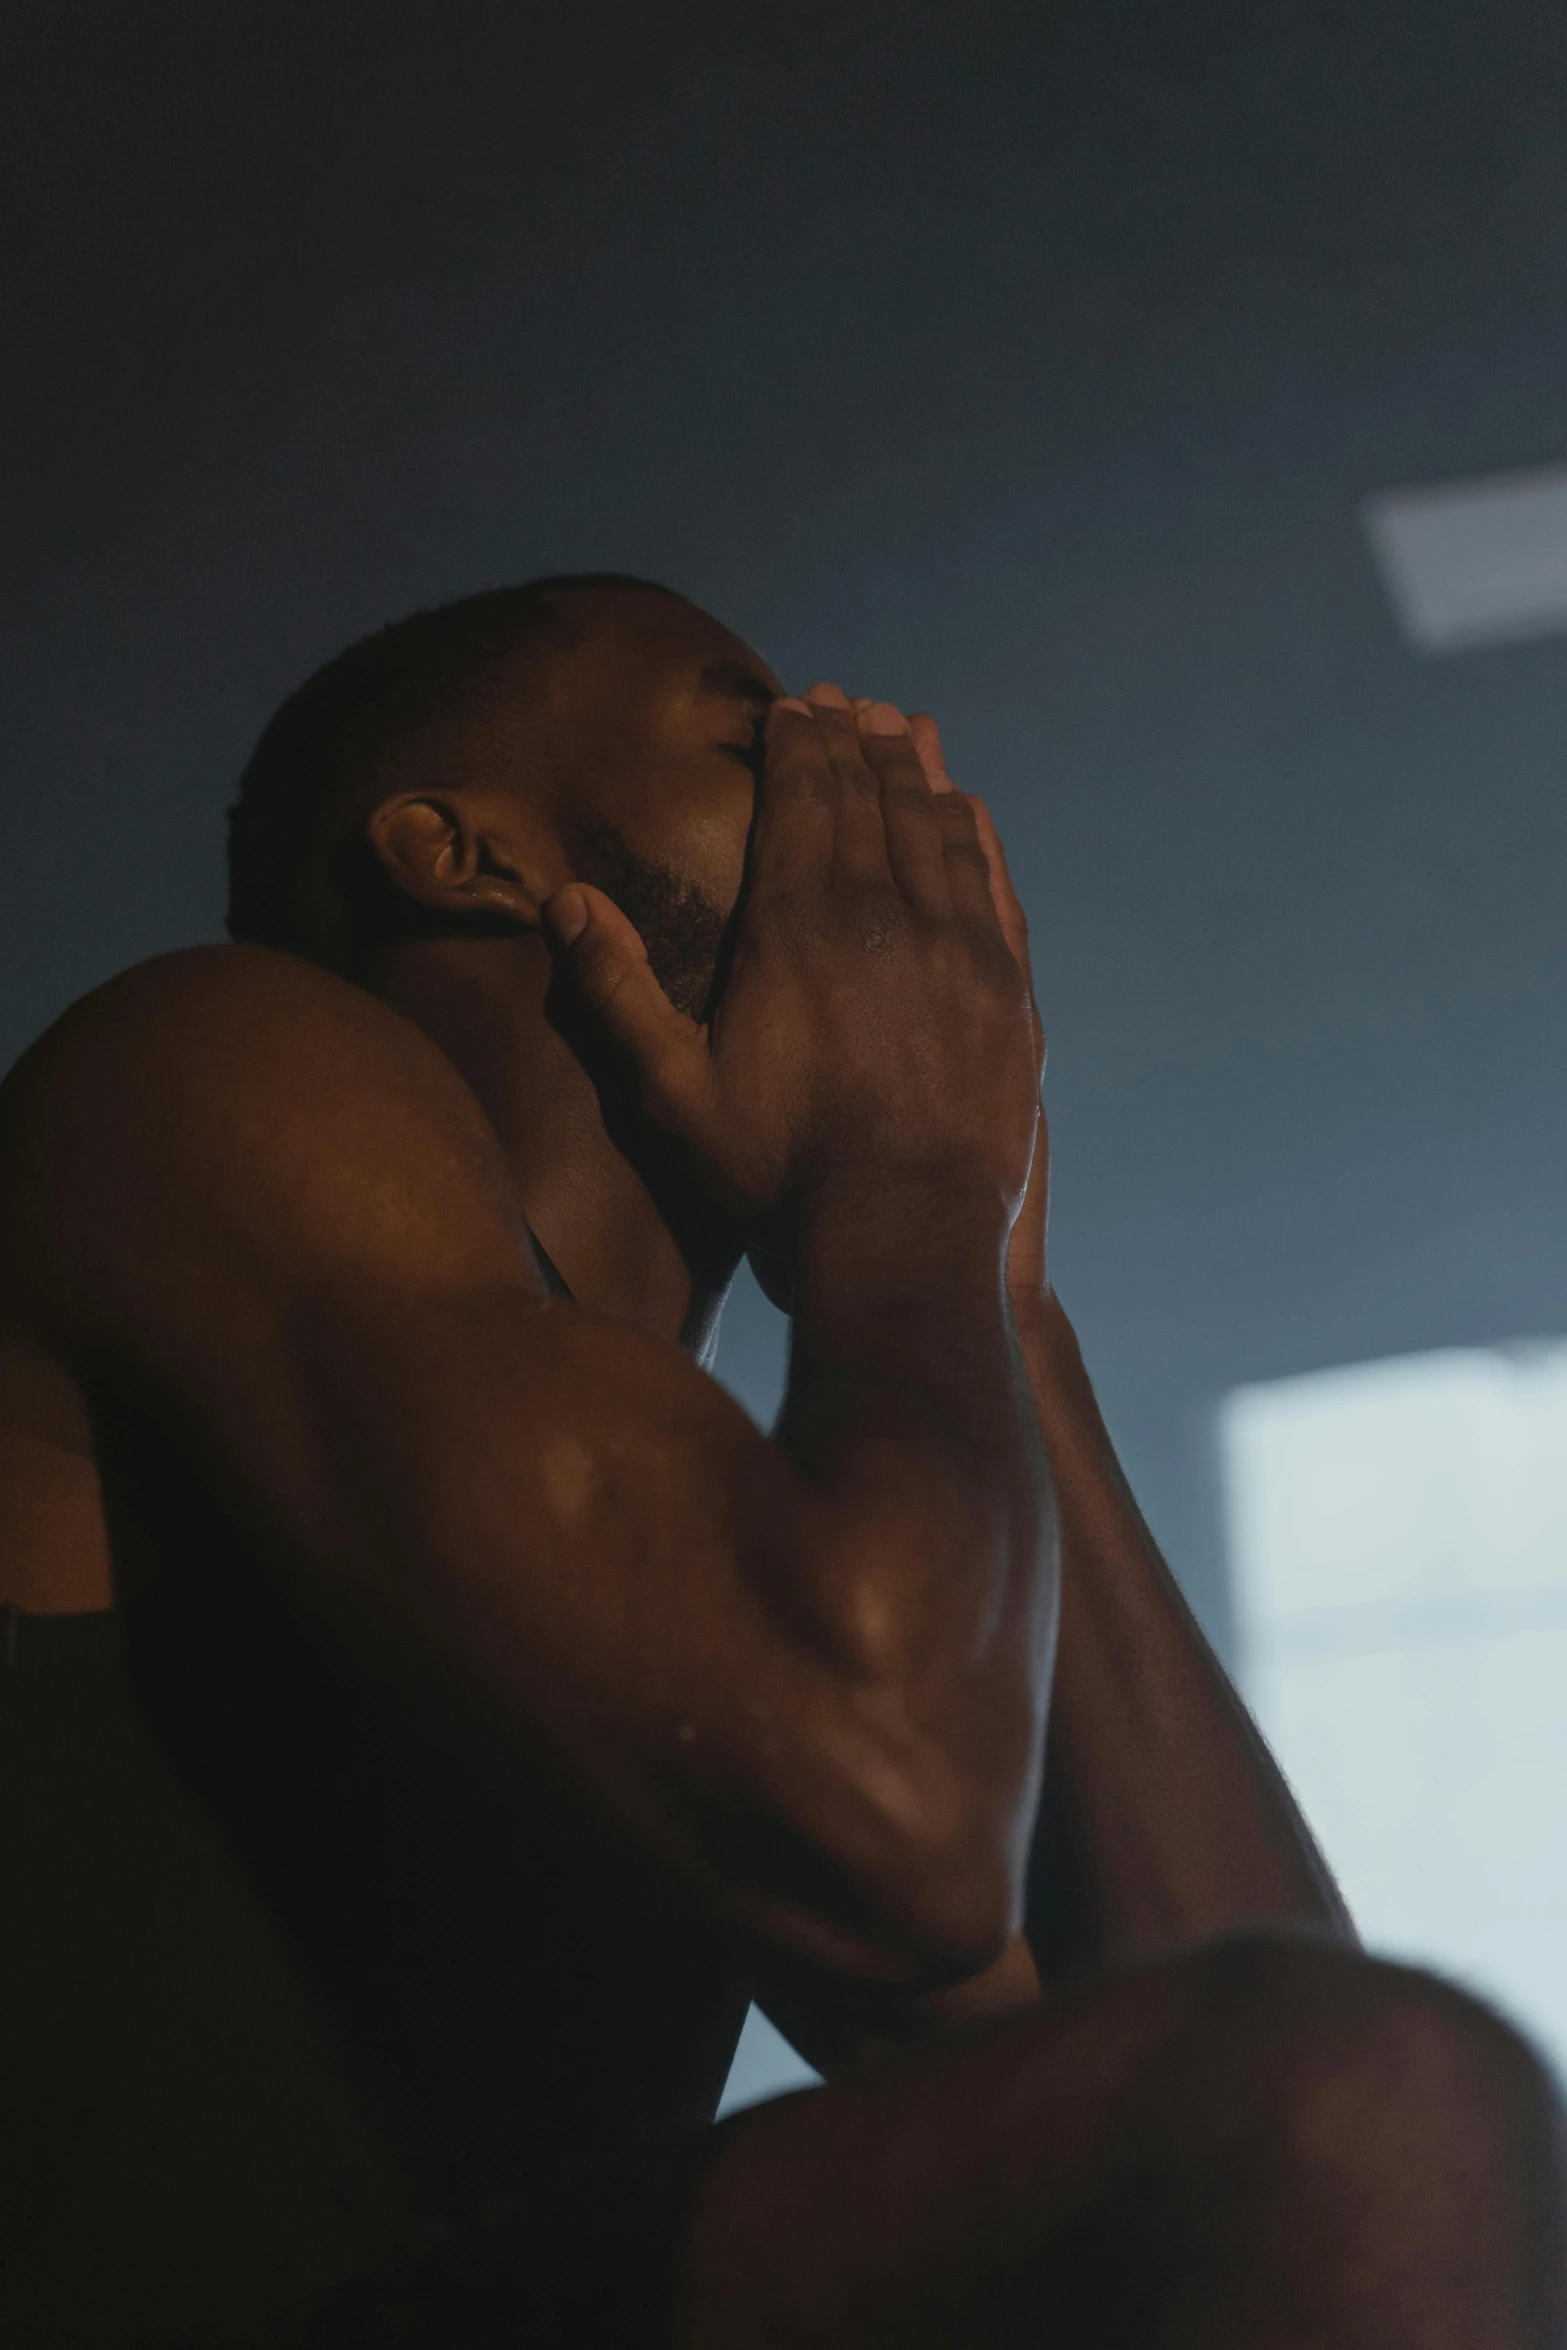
{"x":455,"y":853}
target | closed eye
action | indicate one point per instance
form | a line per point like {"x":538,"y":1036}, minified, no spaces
{"x":747,"y":754}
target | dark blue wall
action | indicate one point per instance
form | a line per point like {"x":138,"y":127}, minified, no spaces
{"x":1027,"y":363}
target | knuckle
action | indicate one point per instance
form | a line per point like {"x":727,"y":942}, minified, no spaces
{"x":801,"y":744}
{"x":591,"y":962}
{"x":802,"y":768}
{"x":606,"y":971}
{"x":786,"y":921}
{"x":878,"y":916}
{"x":874,"y":931}
{"x":815,"y":786}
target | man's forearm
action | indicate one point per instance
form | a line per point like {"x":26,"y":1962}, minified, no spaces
{"x":908,"y":1402}
{"x":1164,"y":1817}
{"x":931,"y":1577}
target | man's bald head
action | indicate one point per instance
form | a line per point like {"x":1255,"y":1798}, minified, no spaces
{"x":298,"y":875}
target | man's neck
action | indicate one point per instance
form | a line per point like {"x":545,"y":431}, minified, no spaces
{"x":482,"y":1000}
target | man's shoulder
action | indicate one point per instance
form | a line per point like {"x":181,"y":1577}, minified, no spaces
{"x":196,"y":996}
{"x":216,"y":1025}
{"x":223,"y":1079}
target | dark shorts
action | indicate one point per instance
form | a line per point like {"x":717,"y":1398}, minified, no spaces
{"x":587,"y":2258}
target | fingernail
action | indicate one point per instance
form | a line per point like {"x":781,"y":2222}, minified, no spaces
{"x":568,"y":915}
{"x":883,"y":718}
{"x":793,"y":702}
{"x":831,"y":696}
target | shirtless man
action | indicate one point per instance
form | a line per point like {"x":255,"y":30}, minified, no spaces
{"x":432,"y":1709}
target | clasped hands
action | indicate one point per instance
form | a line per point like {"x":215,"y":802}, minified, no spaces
{"x":877,"y":1025}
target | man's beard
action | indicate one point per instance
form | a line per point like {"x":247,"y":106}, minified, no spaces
{"x":683,"y":931}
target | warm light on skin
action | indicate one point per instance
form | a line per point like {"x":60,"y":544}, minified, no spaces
{"x":669,"y":757}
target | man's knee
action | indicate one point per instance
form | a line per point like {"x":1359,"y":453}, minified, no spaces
{"x":1381,"y":2134}
{"x":1271,"y":2141}
{"x":1323,"y":2034}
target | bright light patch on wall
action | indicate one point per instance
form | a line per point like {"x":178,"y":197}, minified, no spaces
{"x":1399,"y":1534}
{"x":1475,"y":562}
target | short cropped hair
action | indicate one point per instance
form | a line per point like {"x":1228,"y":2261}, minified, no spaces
{"x":298,"y":874}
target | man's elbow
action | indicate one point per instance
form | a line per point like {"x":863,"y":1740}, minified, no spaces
{"x":902,"y":1858}
{"x":941,"y":1880}
{"x":963,"y":1900}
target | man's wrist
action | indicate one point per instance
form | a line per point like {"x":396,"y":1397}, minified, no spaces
{"x":927,"y":1224}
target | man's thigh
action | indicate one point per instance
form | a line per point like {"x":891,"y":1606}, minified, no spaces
{"x":1267,"y":2142}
